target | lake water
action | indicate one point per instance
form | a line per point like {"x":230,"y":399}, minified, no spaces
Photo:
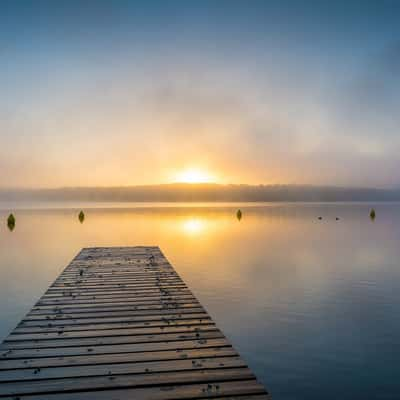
{"x":312,"y":305}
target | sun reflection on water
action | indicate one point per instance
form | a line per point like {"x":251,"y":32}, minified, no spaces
{"x":193,"y":226}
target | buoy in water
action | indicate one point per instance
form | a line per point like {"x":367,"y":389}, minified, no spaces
{"x":81,"y":216}
{"x":239,"y":214}
{"x":11,"y":222}
{"x":372,"y":214}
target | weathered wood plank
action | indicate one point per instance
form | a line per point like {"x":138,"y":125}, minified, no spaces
{"x":93,"y":359}
{"x":236,"y":390}
{"x":102,"y":320}
{"x":110,"y":293}
{"x":124,"y":381}
{"x":162,"y":305}
{"x":23,"y":354}
{"x":110,"y":326}
{"x":127,"y":296}
{"x":126,"y":301}
{"x":83,"y":282}
{"x":163,"y":337}
{"x":111,"y":312}
{"x":145,"y":271}
{"x":115,"y":368}
{"x":114,"y":290}
{"x":61,"y":334}
{"x":116,"y":286}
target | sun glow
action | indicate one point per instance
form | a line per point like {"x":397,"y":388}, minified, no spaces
{"x":194,"y":176}
{"x":193,"y":226}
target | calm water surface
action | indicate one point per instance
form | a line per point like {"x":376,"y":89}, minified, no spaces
{"x":313,"y":306}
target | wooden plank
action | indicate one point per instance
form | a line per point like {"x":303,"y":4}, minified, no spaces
{"x":139,"y":294}
{"x":110,"y":293}
{"x":119,"y":323}
{"x":111,"y":312}
{"x":23,"y":354}
{"x":116,"y":286}
{"x":102,"y":320}
{"x":138,"y":270}
{"x":111,"y":325}
{"x":82,"y":281}
{"x":114,"y":290}
{"x":162,"y":305}
{"x":76,"y":371}
{"x":93,"y":359}
{"x":115,"y":340}
{"x":124,"y":381}
{"x":61,"y":334}
{"x":236,"y":390}
{"x":115,"y":279}
{"x":131,"y":269}
{"x":75,"y":268}
{"x":143,"y":275}
{"x":115,"y":263}
{"x":124,"y":296}
{"x":126,"y":301}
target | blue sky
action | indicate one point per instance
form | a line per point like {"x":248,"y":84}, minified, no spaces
{"x":129,"y":92}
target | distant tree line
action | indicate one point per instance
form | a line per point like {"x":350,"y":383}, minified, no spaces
{"x":203,"y":193}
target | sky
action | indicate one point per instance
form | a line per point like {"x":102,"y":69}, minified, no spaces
{"x":109,"y":93}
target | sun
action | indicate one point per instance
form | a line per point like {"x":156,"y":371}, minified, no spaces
{"x":193,"y":175}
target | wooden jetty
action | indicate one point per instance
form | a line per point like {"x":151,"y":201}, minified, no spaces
{"x":119,"y":323}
